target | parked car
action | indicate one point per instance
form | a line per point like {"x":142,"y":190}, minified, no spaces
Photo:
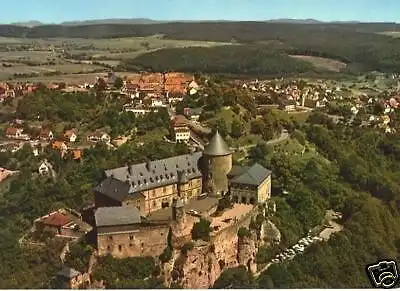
{"x":275,"y":261}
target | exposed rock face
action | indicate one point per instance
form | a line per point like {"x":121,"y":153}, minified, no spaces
{"x":197,"y":269}
{"x":269,"y":233}
{"x":246,"y":253}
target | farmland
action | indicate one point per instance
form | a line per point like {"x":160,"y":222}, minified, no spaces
{"x":323,"y":63}
{"x":24,"y":59}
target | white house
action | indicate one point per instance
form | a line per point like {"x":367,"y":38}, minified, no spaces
{"x":157,"y":103}
{"x":70,"y":135}
{"x":193,"y":85}
{"x":99,"y":136}
{"x":45,"y":168}
{"x":182,"y":134}
{"x":192,"y":91}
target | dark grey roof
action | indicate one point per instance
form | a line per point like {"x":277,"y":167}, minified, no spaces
{"x":106,"y":216}
{"x":113,"y":188}
{"x":145,"y":176}
{"x":238,"y":170}
{"x":217,"y":146}
{"x":253,"y":175}
{"x":68,"y":273}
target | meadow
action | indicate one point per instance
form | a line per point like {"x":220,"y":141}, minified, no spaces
{"x":22,"y":58}
{"x":323,"y":63}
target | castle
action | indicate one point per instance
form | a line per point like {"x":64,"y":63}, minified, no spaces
{"x":130,"y":195}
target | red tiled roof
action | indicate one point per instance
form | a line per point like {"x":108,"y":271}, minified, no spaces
{"x":56,"y":219}
{"x":11,"y":131}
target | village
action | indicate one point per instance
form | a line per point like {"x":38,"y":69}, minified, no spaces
{"x":146,"y":200}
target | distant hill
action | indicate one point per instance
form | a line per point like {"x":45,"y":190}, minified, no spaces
{"x":31,"y":23}
{"x":295,"y":21}
{"x":111,"y":21}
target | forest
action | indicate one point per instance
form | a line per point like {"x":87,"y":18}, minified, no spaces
{"x":358,"y":44}
{"x":355,"y":174}
{"x":250,"y":60}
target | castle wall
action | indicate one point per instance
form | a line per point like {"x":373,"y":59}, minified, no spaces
{"x":218,"y":167}
{"x":150,"y":240}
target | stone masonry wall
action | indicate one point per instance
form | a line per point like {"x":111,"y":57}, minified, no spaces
{"x":146,"y":241}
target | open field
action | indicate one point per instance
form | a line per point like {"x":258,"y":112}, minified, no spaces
{"x":7,"y":72}
{"x":45,"y":56}
{"x":323,"y":63}
{"x":394,"y":34}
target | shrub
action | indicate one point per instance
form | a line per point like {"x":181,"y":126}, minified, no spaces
{"x":166,"y":255}
{"x":187,"y":247}
{"x":243,"y":232}
{"x":201,"y":230}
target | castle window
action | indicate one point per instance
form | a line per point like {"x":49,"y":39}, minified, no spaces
{"x":110,"y":237}
{"x":165,"y":189}
{"x":131,"y":245}
{"x":108,"y":248}
{"x":154,"y":203}
{"x":120,"y":248}
{"x":131,"y":237}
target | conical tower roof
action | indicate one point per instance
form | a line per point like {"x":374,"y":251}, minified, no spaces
{"x":217,"y":146}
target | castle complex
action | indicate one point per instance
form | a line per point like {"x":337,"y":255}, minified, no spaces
{"x":130,"y":195}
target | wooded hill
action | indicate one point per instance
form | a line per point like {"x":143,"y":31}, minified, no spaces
{"x":357,"y":44}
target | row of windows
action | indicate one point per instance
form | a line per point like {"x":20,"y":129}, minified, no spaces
{"x":121,"y":246}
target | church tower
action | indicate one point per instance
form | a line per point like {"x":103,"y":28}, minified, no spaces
{"x":217,"y":163}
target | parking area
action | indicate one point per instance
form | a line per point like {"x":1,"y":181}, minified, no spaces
{"x":329,"y":228}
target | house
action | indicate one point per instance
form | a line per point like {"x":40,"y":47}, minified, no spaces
{"x":60,"y":146}
{"x":16,"y":133}
{"x":250,"y":184}
{"x":192,"y":91}
{"x":4,"y":173}
{"x":46,"y":134}
{"x":69,"y":278}
{"x":98,"y":136}
{"x":45,"y":168}
{"x":193,"y":113}
{"x":193,"y":85}
{"x":174,"y":97}
{"x":76,"y":154}
{"x":120,"y":140}
{"x":138,"y":110}
{"x":63,"y":222}
{"x":182,"y":134}
{"x":70,"y":135}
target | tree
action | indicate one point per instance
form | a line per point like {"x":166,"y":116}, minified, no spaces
{"x":202,"y":230}
{"x":118,"y":83}
{"x":237,"y":129}
{"x":222,"y":128}
{"x":100,"y":85}
{"x":257,"y":126}
{"x":234,"y":278}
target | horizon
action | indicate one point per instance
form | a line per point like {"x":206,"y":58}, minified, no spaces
{"x":48,"y":12}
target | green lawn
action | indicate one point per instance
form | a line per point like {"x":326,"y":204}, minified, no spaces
{"x":154,"y":135}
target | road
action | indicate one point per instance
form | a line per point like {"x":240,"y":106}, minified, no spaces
{"x":284,"y":135}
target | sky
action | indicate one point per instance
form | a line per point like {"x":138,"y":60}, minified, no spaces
{"x":56,"y":11}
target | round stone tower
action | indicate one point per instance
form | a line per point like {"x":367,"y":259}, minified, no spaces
{"x":217,"y":163}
